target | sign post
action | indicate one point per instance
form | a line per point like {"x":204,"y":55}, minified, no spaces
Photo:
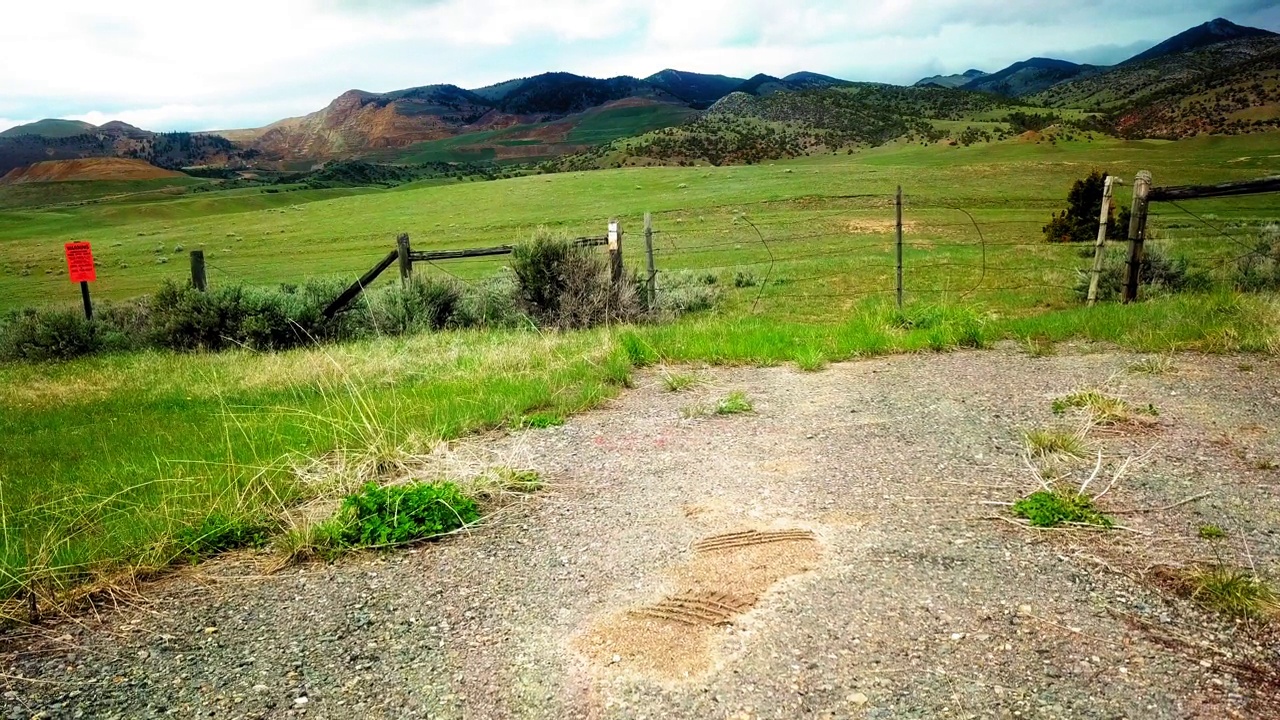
{"x":80,"y":266}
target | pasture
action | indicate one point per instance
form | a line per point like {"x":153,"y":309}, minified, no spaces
{"x":108,"y":459}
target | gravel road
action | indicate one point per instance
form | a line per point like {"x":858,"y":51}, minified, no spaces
{"x":837,"y":553}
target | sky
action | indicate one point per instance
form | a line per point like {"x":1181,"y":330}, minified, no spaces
{"x":165,"y":65}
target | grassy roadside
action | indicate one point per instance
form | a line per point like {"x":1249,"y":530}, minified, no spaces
{"x":109,"y":460}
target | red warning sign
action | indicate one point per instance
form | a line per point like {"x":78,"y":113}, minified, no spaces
{"x":80,"y":262}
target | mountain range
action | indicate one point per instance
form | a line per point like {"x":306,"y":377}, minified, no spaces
{"x":1217,"y":65}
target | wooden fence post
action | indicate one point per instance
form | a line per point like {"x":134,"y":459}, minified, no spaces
{"x":653,"y":270}
{"x":198,"y":280}
{"x":897,"y":204}
{"x":406,"y":262}
{"x":1100,"y":249}
{"x":615,"y":251}
{"x":1137,"y":235}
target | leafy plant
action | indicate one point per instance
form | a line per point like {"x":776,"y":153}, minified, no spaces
{"x":1158,"y":273}
{"x":734,"y":403}
{"x":219,"y":532}
{"x":1051,"y":508}
{"x":396,"y":514}
{"x":1212,"y":532}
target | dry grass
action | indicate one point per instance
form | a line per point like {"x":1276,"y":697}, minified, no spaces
{"x":1056,"y":441}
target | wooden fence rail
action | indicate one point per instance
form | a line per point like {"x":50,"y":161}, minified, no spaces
{"x":406,"y":257}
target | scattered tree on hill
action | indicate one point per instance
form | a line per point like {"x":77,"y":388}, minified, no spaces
{"x":1079,"y":222}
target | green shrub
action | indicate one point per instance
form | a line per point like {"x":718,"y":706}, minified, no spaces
{"x":397,"y":514}
{"x":1158,"y":274}
{"x":1259,"y":270}
{"x":219,"y":533}
{"x":562,"y":284}
{"x":1053,"y":508}
{"x":1079,"y":221}
{"x":184,"y":318}
{"x":47,"y":335}
{"x":744,"y":279}
{"x":425,"y":303}
{"x":685,"y":291}
{"x":489,"y":304}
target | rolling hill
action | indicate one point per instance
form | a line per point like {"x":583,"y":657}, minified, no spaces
{"x":951,"y":81}
{"x":1130,"y":82}
{"x":1215,"y":31}
{"x":86,"y":169}
{"x":49,"y":128}
{"x":115,"y":139}
{"x":746,"y":128}
{"x":696,"y":89}
{"x":1028,"y":77}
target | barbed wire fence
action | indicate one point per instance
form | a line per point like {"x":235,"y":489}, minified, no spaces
{"x":815,"y":254}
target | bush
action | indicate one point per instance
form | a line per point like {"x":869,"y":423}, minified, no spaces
{"x":1260,"y":270}
{"x":48,"y":335}
{"x":1079,"y":221}
{"x":398,"y":514}
{"x":424,"y":303}
{"x":491,"y":304}
{"x":1159,"y":273}
{"x":684,"y":291}
{"x":561,"y":284}
{"x":184,"y":318}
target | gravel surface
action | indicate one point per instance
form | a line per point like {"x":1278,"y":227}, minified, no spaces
{"x":837,"y":553}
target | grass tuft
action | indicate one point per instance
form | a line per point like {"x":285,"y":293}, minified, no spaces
{"x":1158,"y":365}
{"x":1212,"y":532}
{"x":734,"y":403}
{"x":1232,"y":591}
{"x":1038,"y":347}
{"x":811,"y":360}
{"x":542,"y":420}
{"x":1103,"y":410}
{"x":1056,"y":441}
{"x":676,"y":382}
{"x":1052,"y":508}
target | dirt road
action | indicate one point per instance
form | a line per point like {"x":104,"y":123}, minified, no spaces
{"x":840,"y":552}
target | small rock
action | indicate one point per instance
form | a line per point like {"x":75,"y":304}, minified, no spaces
{"x":857,"y":699}
{"x":300,"y":701}
{"x":260,"y":688}
{"x":616,"y":659}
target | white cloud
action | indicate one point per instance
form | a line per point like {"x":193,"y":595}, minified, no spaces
{"x":167,"y":65}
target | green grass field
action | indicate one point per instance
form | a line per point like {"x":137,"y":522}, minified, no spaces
{"x":106,"y":459}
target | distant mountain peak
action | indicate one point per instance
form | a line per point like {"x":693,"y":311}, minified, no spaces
{"x":1210,"y":33}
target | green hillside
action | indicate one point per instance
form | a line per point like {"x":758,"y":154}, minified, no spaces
{"x":50,"y":128}
{"x":1127,"y":84}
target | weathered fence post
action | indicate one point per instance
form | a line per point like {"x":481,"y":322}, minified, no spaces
{"x":198,"y":279}
{"x":406,"y":262}
{"x":615,"y":251}
{"x":1137,"y":234}
{"x":1100,"y":249}
{"x":653,"y":270}
{"x":897,"y":204}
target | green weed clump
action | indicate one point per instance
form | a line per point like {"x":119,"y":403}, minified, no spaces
{"x":686,"y":291}
{"x":675,"y":382}
{"x":1043,"y":443}
{"x":219,"y":532}
{"x":1051,"y":508}
{"x":1259,"y":270}
{"x":542,"y":420}
{"x":811,"y":360}
{"x":381,"y":516}
{"x":1104,"y":410}
{"x":1212,"y":532}
{"x":945,"y":326}
{"x":1232,"y":591}
{"x":734,"y":403}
